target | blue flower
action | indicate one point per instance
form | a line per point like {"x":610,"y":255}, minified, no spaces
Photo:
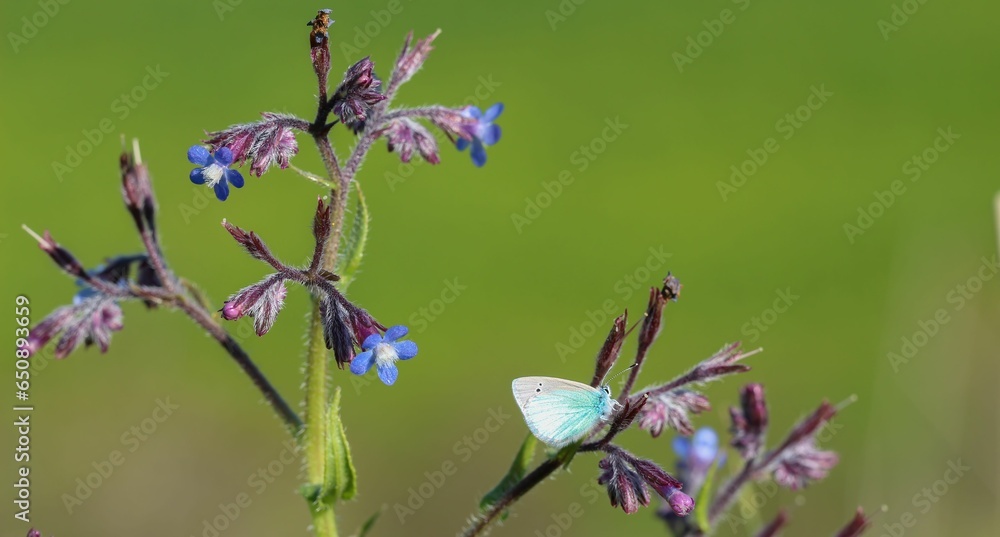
{"x":699,"y":451}
{"x":484,"y":133}
{"x":383,"y":352}
{"x":214,"y":170}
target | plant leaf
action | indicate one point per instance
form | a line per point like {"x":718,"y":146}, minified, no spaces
{"x":354,"y":244}
{"x":314,"y":178}
{"x":367,"y":526}
{"x":701,"y":505}
{"x":197,"y":294}
{"x":517,"y":470}
{"x":340,"y":482}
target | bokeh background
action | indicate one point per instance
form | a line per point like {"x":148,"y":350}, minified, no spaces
{"x":563,"y":69}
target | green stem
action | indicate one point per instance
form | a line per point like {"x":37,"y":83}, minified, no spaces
{"x":314,"y":439}
{"x":317,"y":390}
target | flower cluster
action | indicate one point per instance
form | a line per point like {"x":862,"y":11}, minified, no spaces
{"x":345,"y":325}
{"x":94,"y":313}
{"x":264,"y":143}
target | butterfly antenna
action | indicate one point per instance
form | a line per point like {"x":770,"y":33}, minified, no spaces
{"x":612,"y":377}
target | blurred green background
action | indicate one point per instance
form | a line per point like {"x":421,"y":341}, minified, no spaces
{"x":563,"y":69}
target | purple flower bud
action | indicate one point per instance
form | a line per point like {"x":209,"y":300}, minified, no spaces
{"x":137,"y":190}
{"x":681,"y":504}
{"x":654,"y":476}
{"x":411,"y":59}
{"x":336,"y":330}
{"x":91,"y":319}
{"x":856,"y":526}
{"x":262,"y":301}
{"x":456,"y":124}
{"x":61,"y":256}
{"x":254,"y":245}
{"x":232,"y":310}
{"x":34,"y":533}
{"x":797,"y":461}
{"x":404,"y":135}
{"x":357,"y":94}
{"x":749,"y":422}
{"x":802,"y":464}
{"x":671,"y":410}
{"x":651,"y":324}
{"x":626,"y":487}
{"x":263,"y":143}
{"x":363,"y":325}
{"x":609,"y":352}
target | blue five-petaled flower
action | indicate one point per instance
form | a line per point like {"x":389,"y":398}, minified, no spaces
{"x":485,"y":132}
{"x":214,"y":170}
{"x":383,"y":352}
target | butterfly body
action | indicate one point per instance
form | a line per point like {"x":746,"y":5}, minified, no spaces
{"x":559,"y":412}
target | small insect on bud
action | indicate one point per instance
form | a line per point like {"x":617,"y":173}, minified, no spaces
{"x":319,"y":48}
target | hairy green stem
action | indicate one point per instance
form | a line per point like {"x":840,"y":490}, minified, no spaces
{"x":317,"y":389}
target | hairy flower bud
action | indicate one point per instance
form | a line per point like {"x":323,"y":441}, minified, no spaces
{"x":749,"y":422}
{"x":262,"y":301}
{"x":411,"y":59}
{"x":609,"y":352}
{"x":264,"y":143}
{"x":137,"y":190}
{"x":403,"y":136}
{"x":357,"y":94}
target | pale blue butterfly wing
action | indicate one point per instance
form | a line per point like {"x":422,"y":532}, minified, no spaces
{"x":560,"y":412}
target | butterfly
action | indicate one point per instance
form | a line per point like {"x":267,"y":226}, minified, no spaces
{"x":560,"y":412}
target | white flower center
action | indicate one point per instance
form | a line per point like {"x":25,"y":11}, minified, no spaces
{"x":213,"y":174}
{"x":385,"y":354}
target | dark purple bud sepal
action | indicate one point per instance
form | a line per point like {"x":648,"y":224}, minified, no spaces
{"x":263,"y":144}
{"x":357,"y":94}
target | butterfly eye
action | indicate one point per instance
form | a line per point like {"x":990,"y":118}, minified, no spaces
{"x":607,"y":389}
